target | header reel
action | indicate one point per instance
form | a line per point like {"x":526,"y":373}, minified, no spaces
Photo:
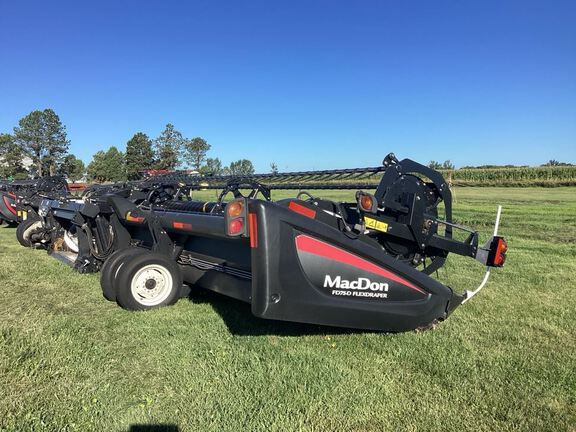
{"x":410,"y":215}
{"x":404,"y":214}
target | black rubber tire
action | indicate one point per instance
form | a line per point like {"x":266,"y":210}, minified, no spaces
{"x":110,"y":268}
{"x":130,"y":269}
{"x":21,"y":232}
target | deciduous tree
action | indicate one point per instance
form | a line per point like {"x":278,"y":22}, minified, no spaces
{"x":242,"y":167}
{"x":213,"y":167}
{"x":447,"y":165}
{"x":195,"y":152}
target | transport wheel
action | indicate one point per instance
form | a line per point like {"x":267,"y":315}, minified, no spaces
{"x":71,"y":241}
{"x":25,"y":229}
{"x":110,"y":270}
{"x":148,"y":281}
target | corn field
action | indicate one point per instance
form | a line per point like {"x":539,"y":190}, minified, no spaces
{"x":546,"y":176}
{"x":529,"y":176}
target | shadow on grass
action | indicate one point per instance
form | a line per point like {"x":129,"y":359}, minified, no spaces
{"x":153,"y":428}
{"x":238,"y":317}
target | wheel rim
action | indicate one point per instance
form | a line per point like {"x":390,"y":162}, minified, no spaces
{"x":151,"y":285}
{"x":71,"y":241}
{"x":28,"y":231}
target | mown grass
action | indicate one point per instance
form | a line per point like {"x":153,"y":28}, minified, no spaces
{"x":69,"y":360}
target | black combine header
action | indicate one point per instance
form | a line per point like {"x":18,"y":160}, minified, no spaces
{"x":365,"y":264}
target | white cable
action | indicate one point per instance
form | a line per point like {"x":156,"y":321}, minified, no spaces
{"x":497,"y":225}
{"x":469,"y":294}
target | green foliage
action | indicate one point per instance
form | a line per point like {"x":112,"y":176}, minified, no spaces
{"x":213,"y":167}
{"x":139,"y":155}
{"x":529,"y":176}
{"x":242,"y":167}
{"x":554,"y":162}
{"x":42,"y":136}
{"x":72,"y":167}
{"x":493,"y":166}
{"x":447,"y":165}
{"x":5,"y":142}
{"x":168,"y":147}
{"x":194,"y":152}
{"x":107,"y":166}
{"x":29,"y":135}
{"x":11,"y":156}
{"x":274,"y":168}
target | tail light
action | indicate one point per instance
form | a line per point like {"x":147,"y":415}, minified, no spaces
{"x":236,"y":218}
{"x":235,"y":208}
{"x":500,"y":247}
{"x":367,"y":202}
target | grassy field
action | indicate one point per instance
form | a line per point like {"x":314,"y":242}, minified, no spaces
{"x":506,"y":361}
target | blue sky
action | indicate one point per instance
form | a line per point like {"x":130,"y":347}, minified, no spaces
{"x":307,"y":84}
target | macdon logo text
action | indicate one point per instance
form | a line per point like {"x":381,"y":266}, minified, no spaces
{"x":358,"y":284}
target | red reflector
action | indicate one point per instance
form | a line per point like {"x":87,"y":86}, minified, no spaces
{"x":131,"y":218}
{"x":305,"y":211}
{"x":182,"y":225}
{"x":253,"y":230}
{"x":236,"y":226}
{"x":500,"y":257}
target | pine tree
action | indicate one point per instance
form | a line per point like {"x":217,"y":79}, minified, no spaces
{"x":107,"y":166}
{"x":168,"y":147}
{"x":139,"y":155}
{"x":72,"y":167}
{"x":42,"y":136}
{"x":11,"y":157}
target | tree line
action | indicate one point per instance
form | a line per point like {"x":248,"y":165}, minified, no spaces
{"x":42,"y":137}
{"x":169,"y":151}
{"x":447,"y":165}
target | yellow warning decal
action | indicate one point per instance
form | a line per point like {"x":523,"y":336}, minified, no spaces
{"x":375,"y":224}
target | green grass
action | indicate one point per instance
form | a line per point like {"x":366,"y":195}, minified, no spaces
{"x":506,"y":361}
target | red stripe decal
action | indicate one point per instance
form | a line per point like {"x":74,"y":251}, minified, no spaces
{"x":8,"y":205}
{"x":305,"y":211}
{"x":253,"y":223}
{"x":318,"y":247}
